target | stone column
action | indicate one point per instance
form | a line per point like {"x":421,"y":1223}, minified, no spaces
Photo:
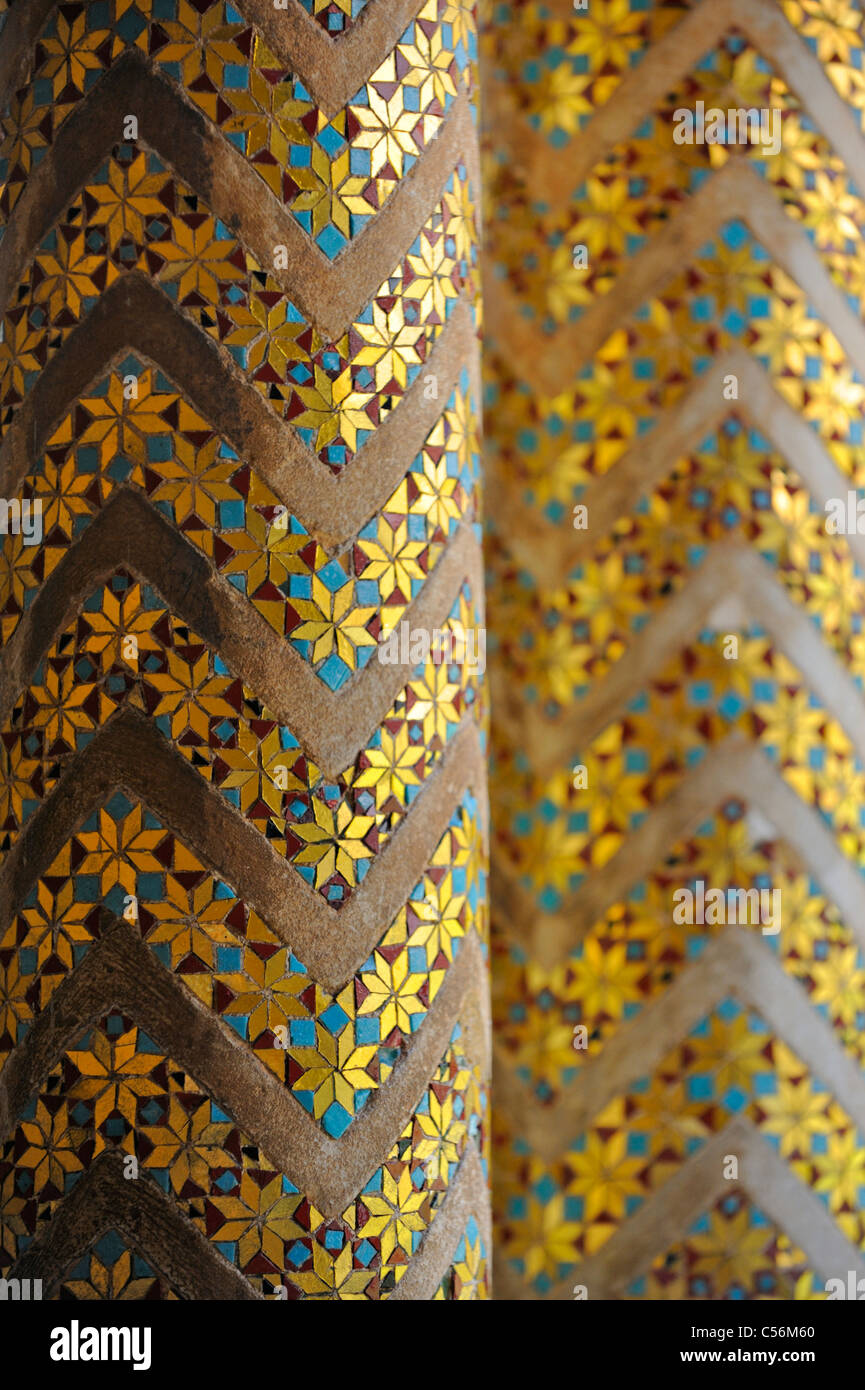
{"x":676,"y":357}
{"x":242,"y":903}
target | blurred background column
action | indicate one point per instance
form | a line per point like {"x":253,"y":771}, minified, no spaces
{"x":674,"y":387}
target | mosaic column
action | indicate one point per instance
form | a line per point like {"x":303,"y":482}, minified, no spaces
{"x":242,"y":899}
{"x":675,"y":296}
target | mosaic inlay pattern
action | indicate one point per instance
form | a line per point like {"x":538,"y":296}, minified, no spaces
{"x":120,"y":1092}
{"x":333,"y":173}
{"x":331,"y":1051}
{"x":332,"y":608}
{"x":136,"y":216}
{"x":273,"y":1062}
